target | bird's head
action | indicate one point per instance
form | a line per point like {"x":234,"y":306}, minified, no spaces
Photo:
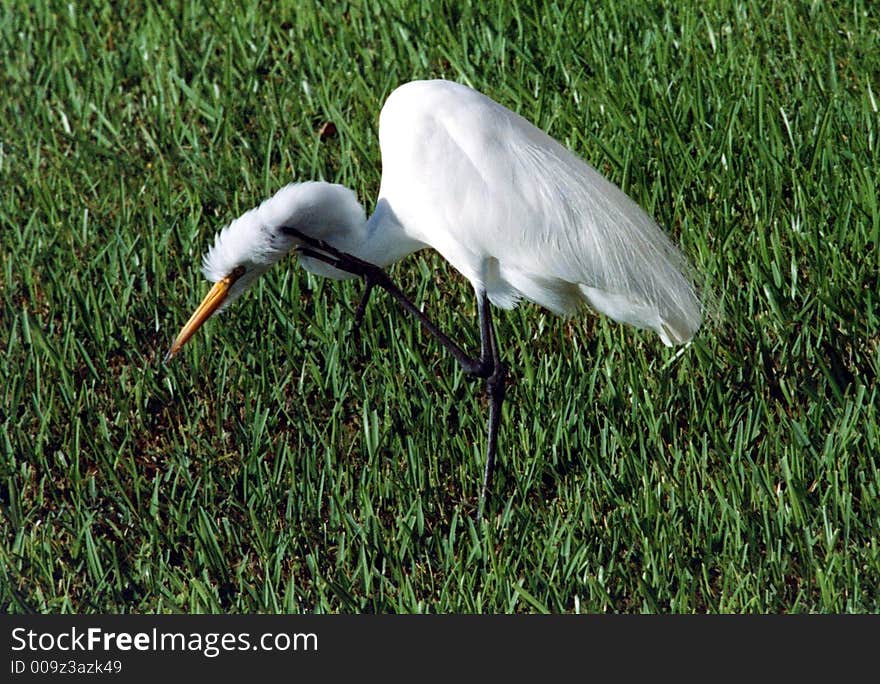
{"x":248,"y":246}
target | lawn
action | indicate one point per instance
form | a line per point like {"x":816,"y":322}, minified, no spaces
{"x":281,"y":463}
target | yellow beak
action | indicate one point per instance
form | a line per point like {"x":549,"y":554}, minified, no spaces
{"x":215,"y":297}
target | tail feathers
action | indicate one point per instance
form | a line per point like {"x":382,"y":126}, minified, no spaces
{"x":673,"y":329}
{"x":672,"y":336}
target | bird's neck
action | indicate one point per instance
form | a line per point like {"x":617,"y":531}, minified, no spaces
{"x":384,"y":240}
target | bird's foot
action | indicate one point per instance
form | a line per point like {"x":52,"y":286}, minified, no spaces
{"x":324,"y":251}
{"x":371,"y":274}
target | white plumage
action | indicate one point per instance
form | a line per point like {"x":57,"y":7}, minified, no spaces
{"x":520,"y":215}
{"x":254,"y":240}
{"x":510,"y":208}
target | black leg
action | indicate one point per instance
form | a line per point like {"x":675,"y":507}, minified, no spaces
{"x":488,"y":351}
{"x":496,"y":382}
{"x":488,"y":366}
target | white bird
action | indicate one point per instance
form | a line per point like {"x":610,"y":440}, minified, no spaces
{"x":511,"y":209}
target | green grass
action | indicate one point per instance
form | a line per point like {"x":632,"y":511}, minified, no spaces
{"x":282,"y":465}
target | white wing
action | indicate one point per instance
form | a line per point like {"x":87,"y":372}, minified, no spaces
{"x":521,"y":216}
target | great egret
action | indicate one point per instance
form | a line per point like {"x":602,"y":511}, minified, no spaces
{"x":511,"y":209}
